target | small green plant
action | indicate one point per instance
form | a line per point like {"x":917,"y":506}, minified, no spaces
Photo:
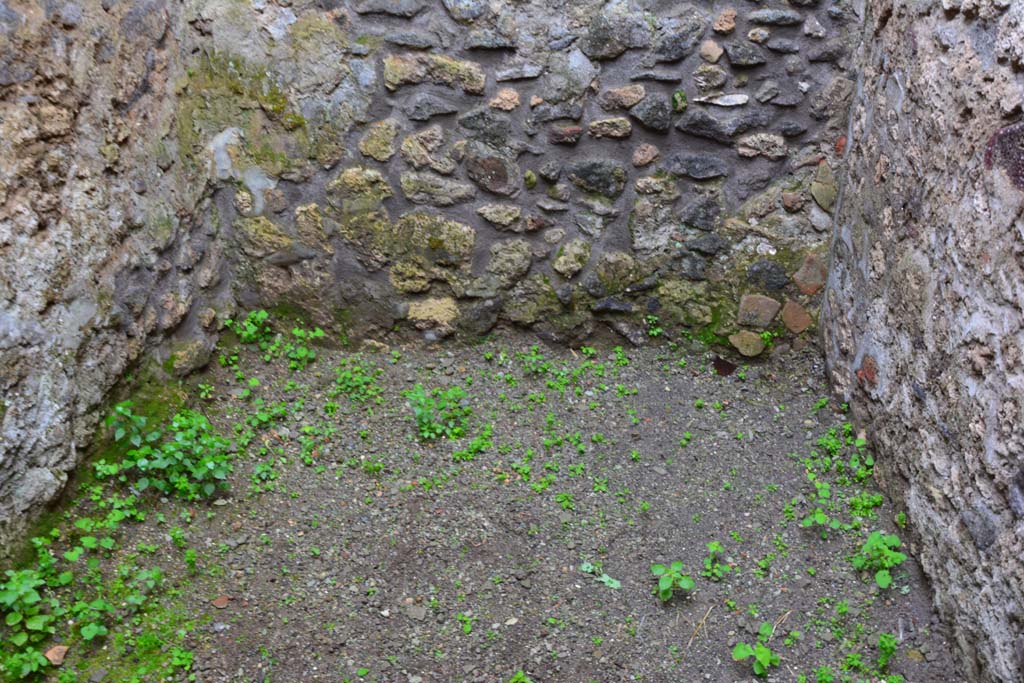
{"x":477,"y":446}
{"x":29,"y":617}
{"x":714,"y":569}
{"x":653,"y":327}
{"x":254,"y":329}
{"x":879,"y":554}
{"x":763,"y":657}
{"x":520,"y":677}
{"x":355,"y":379}
{"x":439,"y":413}
{"x":192,"y":462}
{"x":886,"y":650}
{"x":671,"y":579}
{"x":594,"y":568}
{"x":299,"y":350}
{"x":467,"y":622}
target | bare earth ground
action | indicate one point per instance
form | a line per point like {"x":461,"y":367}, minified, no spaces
{"x":349,"y":549}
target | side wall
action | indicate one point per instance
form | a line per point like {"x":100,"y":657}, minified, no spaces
{"x":100,"y":256}
{"x":923,"y":315}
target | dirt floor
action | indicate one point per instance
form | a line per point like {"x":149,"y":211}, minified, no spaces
{"x":349,"y":547}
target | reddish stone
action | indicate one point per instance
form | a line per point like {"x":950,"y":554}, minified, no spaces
{"x":726,"y":21}
{"x":812,"y":274}
{"x":645,"y":154}
{"x":564,"y":135}
{"x":757,"y":310}
{"x":795,"y":317}
{"x":841,"y":144}
{"x":868,"y":372}
{"x":747,"y":343}
{"x":793,"y":201}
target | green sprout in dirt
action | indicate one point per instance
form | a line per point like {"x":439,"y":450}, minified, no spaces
{"x":714,"y":569}
{"x":254,"y":329}
{"x":594,"y":569}
{"x":299,"y":350}
{"x":477,"y":446}
{"x":879,"y":554}
{"x":192,"y":462}
{"x":30,"y":618}
{"x":763,"y":657}
{"x":440,"y":412}
{"x":357,"y":380}
{"x":886,"y":650}
{"x":467,"y":622}
{"x":671,"y":579}
{"x":520,"y":677}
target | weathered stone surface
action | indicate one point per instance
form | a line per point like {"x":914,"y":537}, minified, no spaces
{"x":725,"y":22}
{"x":921,"y":336}
{"x":510,"y":261}
{"x":437,"y":314}
{"x":824,"y":189}
{"x":611,"y":33}
{"x":743,"y":54}
{"x":416,"y":68}
{"x":518,"y":71}
{"x":645,"y":154}
{"x":709,"y":77}
{"x":423,"y":150}
{"x":571,"y":258}
{"x":721,"y":127}
{"x":506,"y":99}
{"x":677,"y":37}
{"x":422,"y":107}
{"x":465,"y":10}
{"x":767,"y":275}
{"x":775,"y":17}
{"x":710,"y":51}
{"x":564,"y":135}
{"x":696,"y":166}
{"x":651,"y":224}
{"x":795,"y":317}
{"x":703,"y":213}
{"x":379,"y":140}
{"x":653,"y":112}
{"x":398,"y":8}
{"x":747,"y":343}
{"x":759,"y":35}
{"x":504,"y":215}
{"x":708,"y":244}
{"x":757,"y":310}
{"x":617,"y":127}
{"x":621,"y":98}
{"x":603,"y":176}
{"x":435,"y":190}
{"x":810,"y":278}
{"x":762,"y":145}
{"x":492,"y":170}
{"x":568,"y":77}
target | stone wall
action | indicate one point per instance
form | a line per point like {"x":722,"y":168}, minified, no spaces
{"x":924,"y":328}
{"x":434,"y":166}
{"x":453,"y":165}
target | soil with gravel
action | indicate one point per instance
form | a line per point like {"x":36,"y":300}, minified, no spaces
{"x":348,"y":548}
